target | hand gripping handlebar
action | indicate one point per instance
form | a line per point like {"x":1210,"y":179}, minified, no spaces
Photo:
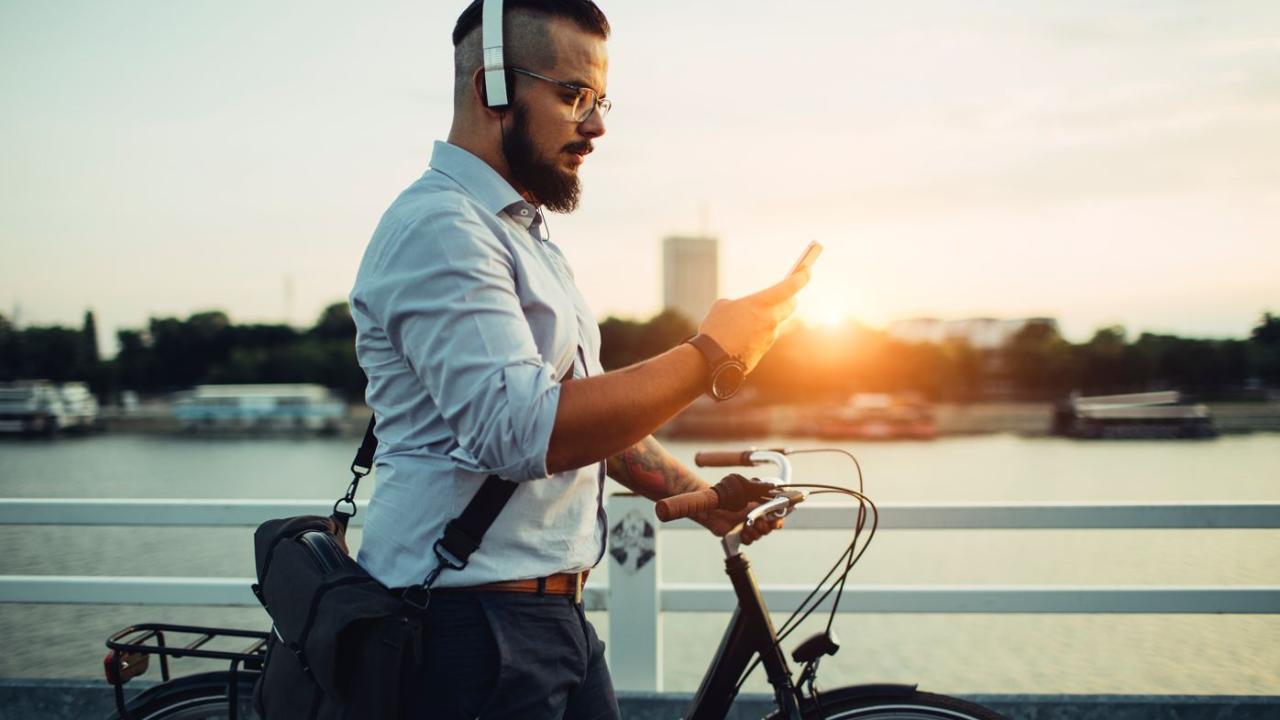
{"x":733,"y":492}
{"x":686,"y":504}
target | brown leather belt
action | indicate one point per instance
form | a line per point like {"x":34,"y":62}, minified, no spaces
{"x":558,"y":584}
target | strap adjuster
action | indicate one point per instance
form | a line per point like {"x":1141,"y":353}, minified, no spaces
{"x":446,"y":557}
{"x":457,"y":543}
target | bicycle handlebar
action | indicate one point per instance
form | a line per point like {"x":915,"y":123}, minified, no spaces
{"x":686,"y":504}
{"x":723,"y":458}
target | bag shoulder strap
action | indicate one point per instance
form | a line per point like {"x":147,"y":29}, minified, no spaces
{"x":362,"y":465}
{"x":462,"y":535}
{"x":368,"y":446}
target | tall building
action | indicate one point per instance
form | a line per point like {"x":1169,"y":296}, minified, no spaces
{"x":690,"y":275}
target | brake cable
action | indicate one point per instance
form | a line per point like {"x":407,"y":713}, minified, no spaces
{"x":849,"y":557}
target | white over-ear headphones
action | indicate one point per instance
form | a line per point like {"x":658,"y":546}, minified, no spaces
{"x":495,"y":69}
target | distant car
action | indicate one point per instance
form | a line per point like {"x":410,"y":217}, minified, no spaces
{"x":43,"y":407}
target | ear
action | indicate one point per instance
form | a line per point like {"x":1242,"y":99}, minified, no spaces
{"x":477,"y":83}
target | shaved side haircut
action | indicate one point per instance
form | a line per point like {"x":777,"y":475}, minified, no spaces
{"x":526,"y":40}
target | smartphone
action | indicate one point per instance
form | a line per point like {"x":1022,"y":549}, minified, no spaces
{"x":807,"y":257}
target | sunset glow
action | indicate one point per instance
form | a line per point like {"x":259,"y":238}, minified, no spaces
{"x":1069,"y":160}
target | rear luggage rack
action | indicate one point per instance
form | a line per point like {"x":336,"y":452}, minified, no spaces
{"x":130,"y":651}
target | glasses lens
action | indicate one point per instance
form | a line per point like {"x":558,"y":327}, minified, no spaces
{"x":583,"y":104}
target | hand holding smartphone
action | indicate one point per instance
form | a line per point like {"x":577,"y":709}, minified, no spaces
{"x":742,"y":329}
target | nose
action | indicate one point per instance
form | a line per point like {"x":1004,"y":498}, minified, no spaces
{"x":592,"y":127}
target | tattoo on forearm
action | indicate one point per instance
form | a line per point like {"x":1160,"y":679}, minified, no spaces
{"x":649,"y":470}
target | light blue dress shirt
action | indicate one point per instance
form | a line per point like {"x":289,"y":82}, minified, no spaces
{"x":467,"y":317}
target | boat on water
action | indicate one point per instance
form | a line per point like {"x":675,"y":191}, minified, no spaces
{"x":873,"y":416}
{"x":41,"y":407}
{"x":267,"y":406}
{"x":1150,"y":415}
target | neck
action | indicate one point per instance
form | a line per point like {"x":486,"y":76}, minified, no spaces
{"x":490,"y":152}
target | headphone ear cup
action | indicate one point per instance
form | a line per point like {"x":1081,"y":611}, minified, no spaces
{"x":508,"y":79}
{"x":484,"y":92}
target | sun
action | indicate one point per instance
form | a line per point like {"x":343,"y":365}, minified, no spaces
{"x":828,"y":317}
{"x":824,"y":304}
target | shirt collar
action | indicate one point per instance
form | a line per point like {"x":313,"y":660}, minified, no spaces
{"x":482,"y":182}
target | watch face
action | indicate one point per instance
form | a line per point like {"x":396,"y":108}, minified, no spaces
{"x":727,"y":380}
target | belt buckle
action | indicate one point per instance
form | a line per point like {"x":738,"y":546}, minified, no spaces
{"x":577,"y":588}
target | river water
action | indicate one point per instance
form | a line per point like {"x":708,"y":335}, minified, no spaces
{"x":1187,"y":654}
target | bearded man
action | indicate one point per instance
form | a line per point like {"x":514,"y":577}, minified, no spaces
{"x":483,"y":359}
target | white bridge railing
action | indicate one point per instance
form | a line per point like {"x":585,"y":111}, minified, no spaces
{"x":636,"y":600}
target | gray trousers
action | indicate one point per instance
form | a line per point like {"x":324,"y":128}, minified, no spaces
{"x":511,"y":655}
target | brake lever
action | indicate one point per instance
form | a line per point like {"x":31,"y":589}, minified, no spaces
{"x":777,"y":508}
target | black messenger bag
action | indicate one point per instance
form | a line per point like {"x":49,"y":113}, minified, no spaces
{"x":342,"y":644}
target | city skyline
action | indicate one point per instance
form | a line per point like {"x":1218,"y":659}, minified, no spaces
{"x":1070,"y":161}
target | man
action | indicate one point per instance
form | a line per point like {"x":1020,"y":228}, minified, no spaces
{"x":482,"y":358}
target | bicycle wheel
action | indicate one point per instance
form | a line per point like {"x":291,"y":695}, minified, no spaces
{"x":194,"y":697}
{"x":857,"y":704}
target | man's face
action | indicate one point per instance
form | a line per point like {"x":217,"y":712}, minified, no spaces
{"x":544,"y":147}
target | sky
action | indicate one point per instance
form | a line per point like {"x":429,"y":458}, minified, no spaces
{"x":1099,"y":162}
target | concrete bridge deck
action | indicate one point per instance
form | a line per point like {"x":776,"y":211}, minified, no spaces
{"x":23,"y":699}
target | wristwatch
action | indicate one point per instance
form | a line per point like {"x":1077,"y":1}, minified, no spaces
{"x":727,"y":371}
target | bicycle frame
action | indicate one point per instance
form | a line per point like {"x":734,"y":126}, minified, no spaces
{"x":750,"y":632}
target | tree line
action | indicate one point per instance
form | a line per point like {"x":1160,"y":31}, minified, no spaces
{"x":175,"y":354}
{"x":1035,"y":364}
{"x":808,"y":364}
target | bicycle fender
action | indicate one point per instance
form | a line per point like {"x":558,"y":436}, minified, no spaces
{"x":861,"y":692}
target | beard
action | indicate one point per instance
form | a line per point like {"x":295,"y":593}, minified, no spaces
{"x":554,"y":187}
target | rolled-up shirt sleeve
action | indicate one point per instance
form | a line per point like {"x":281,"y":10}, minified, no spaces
{"x":444,"y":291}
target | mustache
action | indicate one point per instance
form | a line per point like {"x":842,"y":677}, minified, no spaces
{"x":582,"y":148}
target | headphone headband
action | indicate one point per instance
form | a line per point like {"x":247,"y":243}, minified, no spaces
{"x":495,"y":80}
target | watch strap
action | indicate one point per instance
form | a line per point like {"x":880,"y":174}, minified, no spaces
{"x":711,"y":351}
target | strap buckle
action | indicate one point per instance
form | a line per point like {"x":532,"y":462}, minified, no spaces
{"x":417,"y":596}
{"x":350,"y":496}
{"x":343,"y":514}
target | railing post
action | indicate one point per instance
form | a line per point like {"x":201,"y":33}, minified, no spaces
{"x":635,"y":615}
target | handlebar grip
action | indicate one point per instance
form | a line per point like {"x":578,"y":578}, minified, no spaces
{"x":723,"y":458}
{"x":686,"y":504}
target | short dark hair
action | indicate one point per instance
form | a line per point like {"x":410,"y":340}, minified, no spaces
{"x":584,"y":13}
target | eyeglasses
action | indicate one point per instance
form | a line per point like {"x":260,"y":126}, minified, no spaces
{"x":584,"y":101}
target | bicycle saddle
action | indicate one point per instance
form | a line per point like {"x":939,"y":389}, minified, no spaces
{"x":824,"y":643}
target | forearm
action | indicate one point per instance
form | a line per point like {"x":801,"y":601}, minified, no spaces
{"x":601,"y":416}
{"x":648,"y":469}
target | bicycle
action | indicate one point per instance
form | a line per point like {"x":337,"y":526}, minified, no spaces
{"x":750,"y":634}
